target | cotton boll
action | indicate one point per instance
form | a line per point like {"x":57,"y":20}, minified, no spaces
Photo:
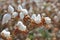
{"x":10,"y":9}
{"x":14,"y":14}
{"x":21,"y":15}
{"x":19,"y":7}
{"x":48,"y":8}
{"x":5,"y":33}
{"x":38,"y":19}
{"x":42,"y":7}
{"x":19,"y":1}
{"x":6,"y":18}
{"x":21,"y":26}
{"x":33,"y":16}
{"x":47,"y":20}
{"x":56,"y":19}
{"x":25,"y":11}
{"x":43,"y":14}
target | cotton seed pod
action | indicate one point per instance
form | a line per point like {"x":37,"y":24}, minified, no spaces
{"x":5,"y":33}
{"x":47,"y":20}
{"x":21,"y":26}
{"x":6,"y":18}
{"x":14,"y":14}
{"x":10,"y":9}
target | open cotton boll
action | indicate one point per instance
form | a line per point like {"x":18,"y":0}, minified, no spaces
{"x":5,"y":33}
{"x":6,"y":18}
{"x":33,"y":16}
{"x":10,"y":9}
{"x":48,"y":8}
{"x":19,"y":7}
{"x":47,"y":20}
{"x":43,"y":14}
{"x":14,"y":14}
{"x":56,"y":19}
{"x":21,"y":26}
{"x":38,"y":19}
{"x":21,"y":15}
{"x":19,"y":1}
{"x":42,"y":7}
{"x":25,"y":11}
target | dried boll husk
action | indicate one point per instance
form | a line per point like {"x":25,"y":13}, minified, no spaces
{"x":26,"y":20}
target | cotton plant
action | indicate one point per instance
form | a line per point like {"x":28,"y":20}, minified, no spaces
{"x":37,"y":18}
{"x":6,"y":18}
{"x":44,"y":33}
